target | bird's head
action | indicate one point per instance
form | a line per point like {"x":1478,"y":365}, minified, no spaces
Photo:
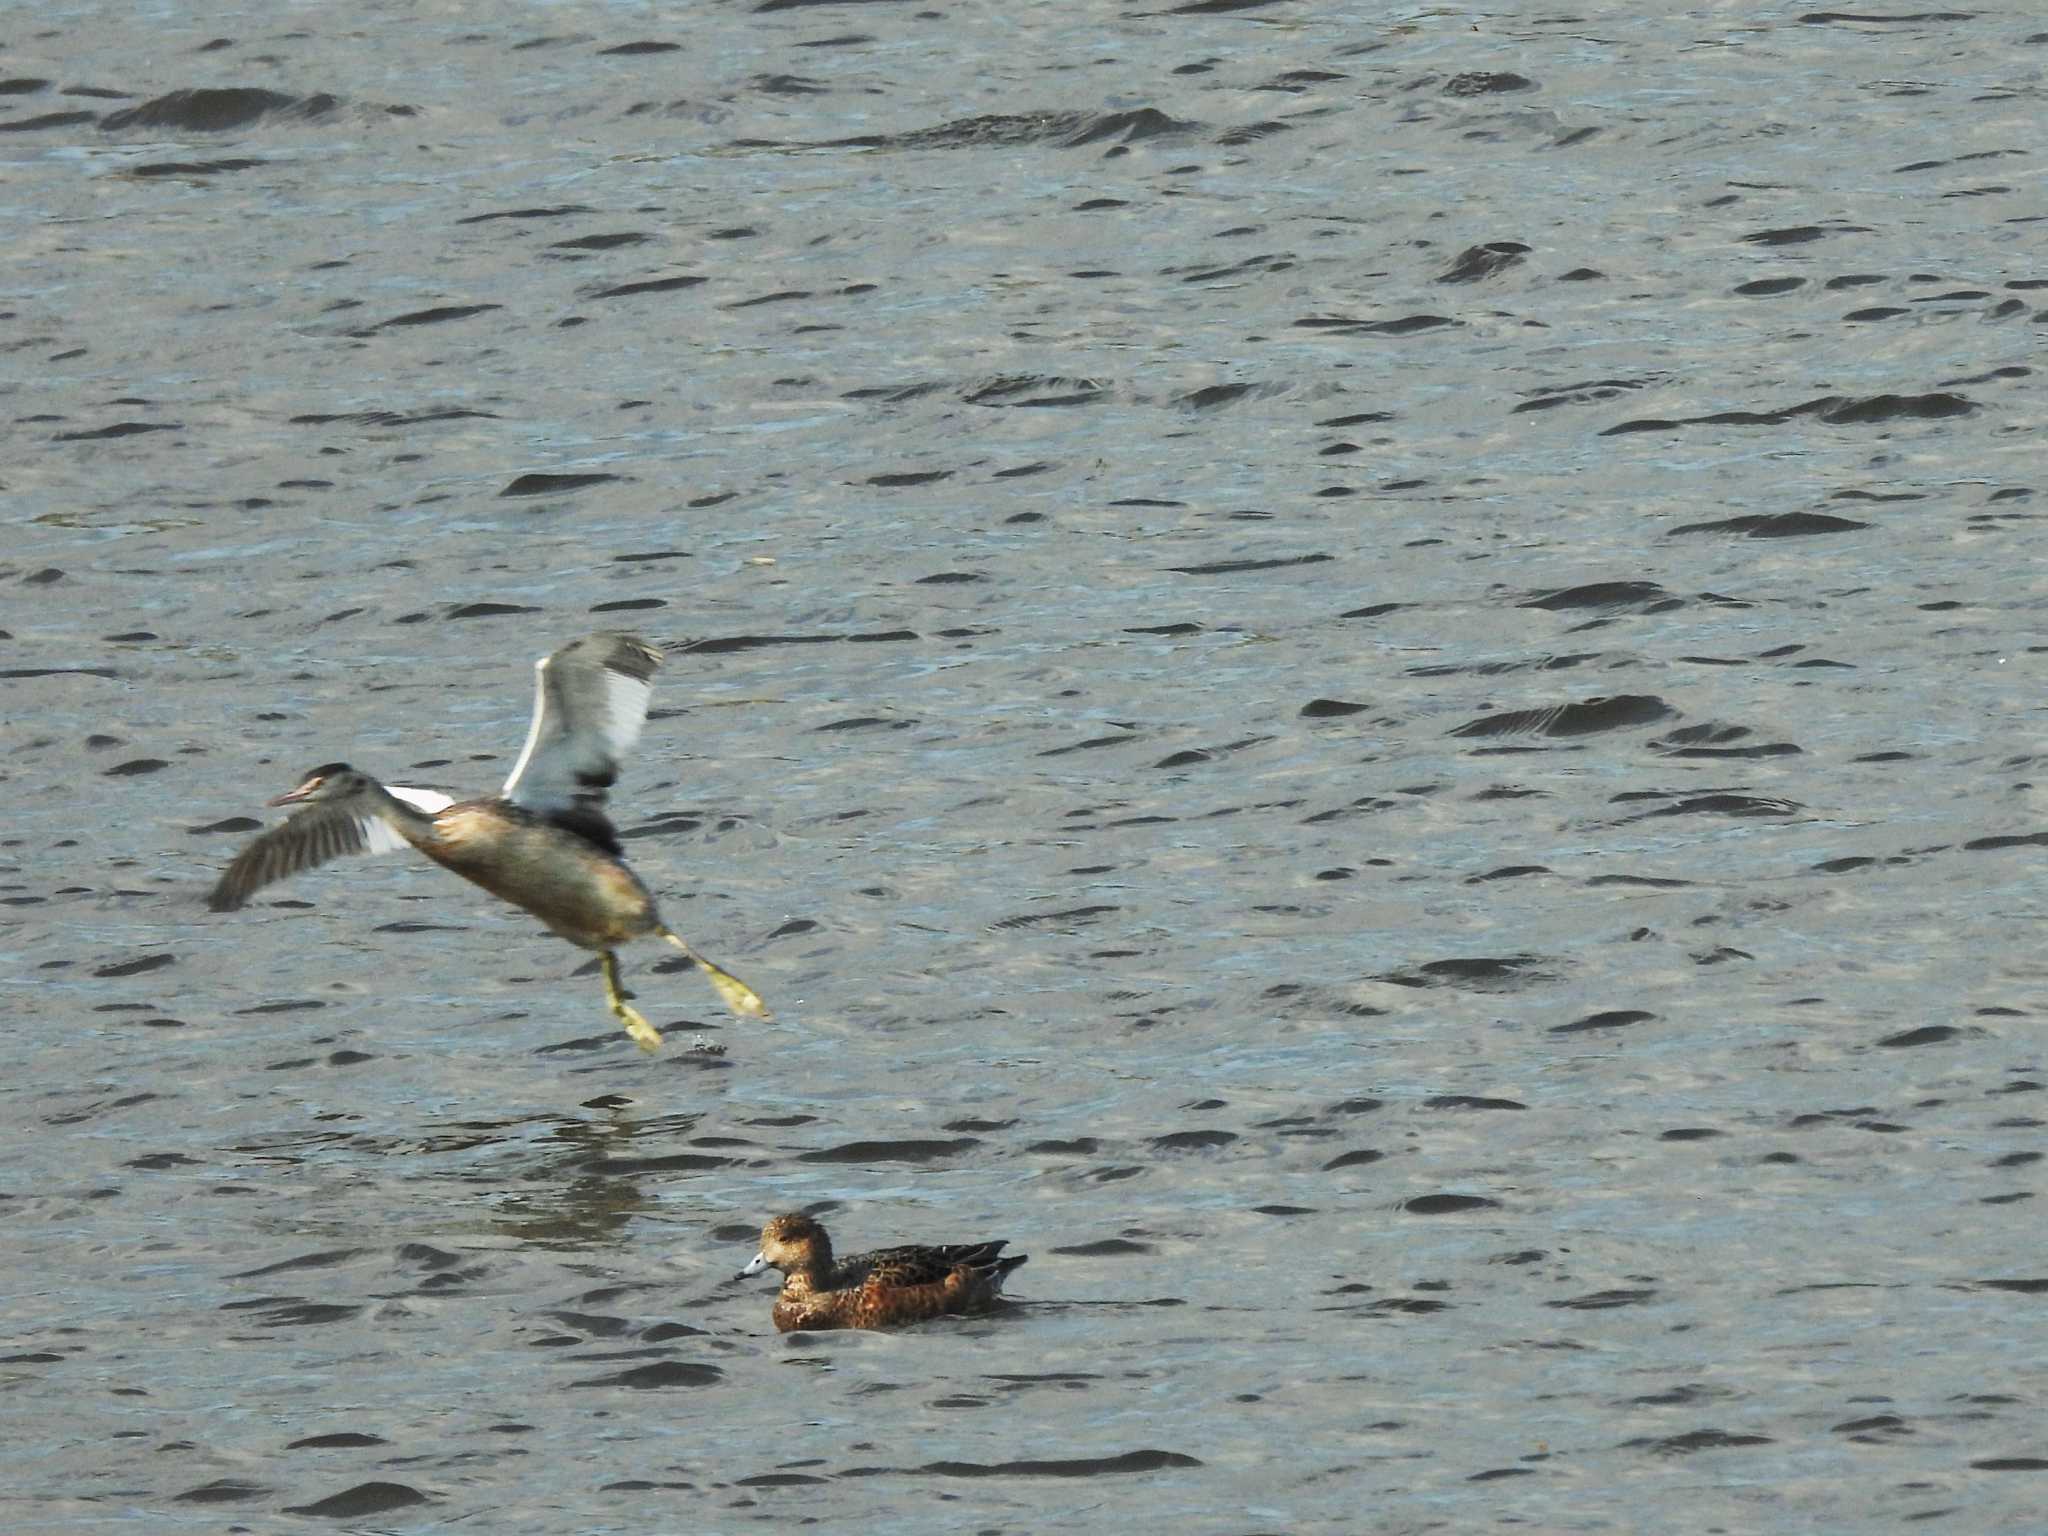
{"x":790,"y":1243}
{"x":330,"y":781}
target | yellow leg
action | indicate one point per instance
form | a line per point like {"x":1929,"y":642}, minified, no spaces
{"x":644,"y":1034}
{"x":739,"y":997}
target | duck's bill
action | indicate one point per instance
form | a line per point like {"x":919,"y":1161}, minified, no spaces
{"x":755,"y":1265}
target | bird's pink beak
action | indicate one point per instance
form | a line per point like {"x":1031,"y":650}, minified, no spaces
{"x":294,"y":796}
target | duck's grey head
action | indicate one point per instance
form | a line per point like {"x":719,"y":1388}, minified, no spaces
{"x":330,"y":781}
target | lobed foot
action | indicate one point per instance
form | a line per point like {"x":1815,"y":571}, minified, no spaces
{"x":739,"y":997}
{"x":644,"y":1034}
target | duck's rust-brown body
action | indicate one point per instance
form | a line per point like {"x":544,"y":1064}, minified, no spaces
{"x":888,"y":1288}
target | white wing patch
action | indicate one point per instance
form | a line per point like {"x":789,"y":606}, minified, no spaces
{"x":431,"y":801}
{"x":533,"y":730}
{"x":589,"y":702}
{"x":378,"y":835}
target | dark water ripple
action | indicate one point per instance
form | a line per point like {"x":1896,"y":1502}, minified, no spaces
{"x":1374,"y":685}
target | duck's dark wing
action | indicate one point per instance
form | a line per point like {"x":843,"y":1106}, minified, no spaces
{"x":924,"y":1265}
{"x":331,"y":829}
{"x":590,"y":700}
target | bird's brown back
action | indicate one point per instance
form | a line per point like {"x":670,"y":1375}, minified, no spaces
{"x":581,"y":892}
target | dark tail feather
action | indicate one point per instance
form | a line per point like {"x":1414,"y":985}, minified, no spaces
{"x":973,"y":1255}
{"x":999,"y":1271}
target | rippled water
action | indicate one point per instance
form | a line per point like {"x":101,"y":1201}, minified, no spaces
{"x":1371,"y":679}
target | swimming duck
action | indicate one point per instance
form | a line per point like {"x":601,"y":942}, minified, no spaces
{"x":542,"y":843}
{"x":882,"y":1289}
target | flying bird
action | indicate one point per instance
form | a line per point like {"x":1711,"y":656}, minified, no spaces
{"x":542,"y":843}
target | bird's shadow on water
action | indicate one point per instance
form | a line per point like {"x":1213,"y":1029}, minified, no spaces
{"x":685,"y":1044}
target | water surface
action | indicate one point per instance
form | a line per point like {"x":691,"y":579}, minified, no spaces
{"x":1372,"y":679}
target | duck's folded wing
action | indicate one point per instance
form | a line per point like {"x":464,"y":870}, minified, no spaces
{"x":922,"y":1265}
{"x":590,"y":700}
{"x":330,"y":830}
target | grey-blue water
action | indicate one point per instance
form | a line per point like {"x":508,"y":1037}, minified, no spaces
{"x":1371,"y":677}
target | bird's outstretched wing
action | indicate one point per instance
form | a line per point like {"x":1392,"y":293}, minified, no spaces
{"x":330,"y":829}
{"x":590,"y":700}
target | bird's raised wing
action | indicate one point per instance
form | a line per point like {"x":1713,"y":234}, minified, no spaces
{"x":329,"y":829}
{"x":590,"y":700}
